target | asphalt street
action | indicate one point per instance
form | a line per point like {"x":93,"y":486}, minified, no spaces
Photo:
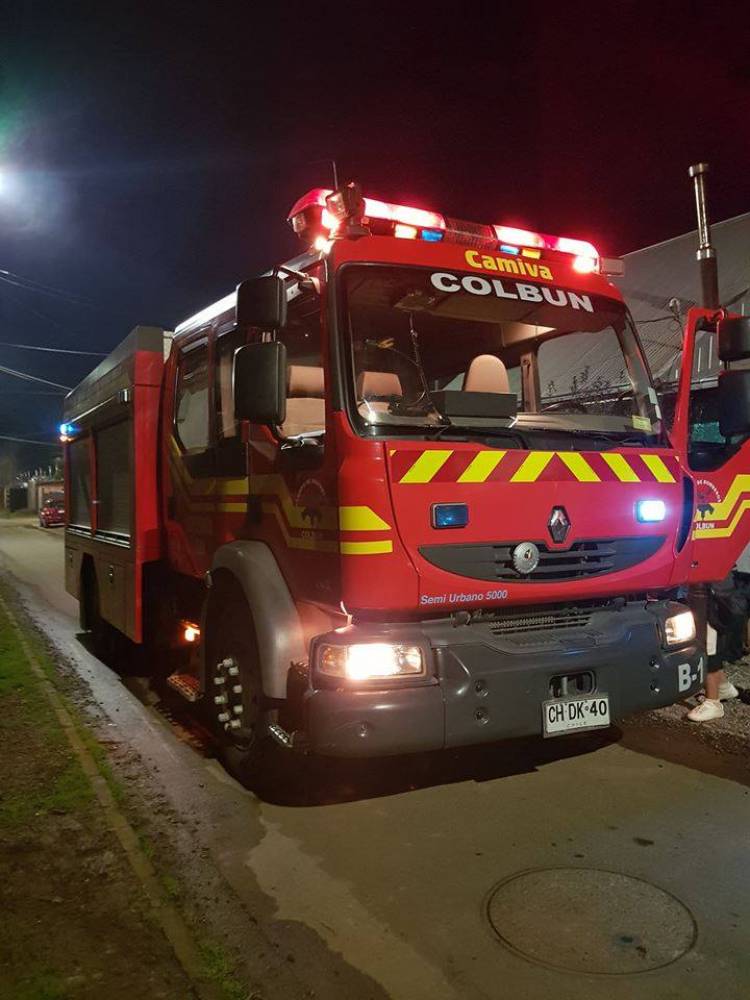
{"x":570,"y":868}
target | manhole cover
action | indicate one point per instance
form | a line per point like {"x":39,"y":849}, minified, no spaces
{"x":586,"y":920}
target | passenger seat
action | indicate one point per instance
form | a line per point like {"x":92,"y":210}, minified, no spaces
{"x":377,"y":388}
{"x":305,"y":404}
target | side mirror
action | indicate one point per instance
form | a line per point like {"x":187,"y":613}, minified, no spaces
{"x":260,"y":383}
{"x":734,"y":402}
{"x":261,"y":302}
{"x":734,"y":338}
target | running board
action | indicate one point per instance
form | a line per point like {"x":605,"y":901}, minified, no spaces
{"x":185,"y":684}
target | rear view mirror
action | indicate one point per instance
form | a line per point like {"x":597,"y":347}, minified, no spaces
{"x":734,"y":403}
{"x":734,"y":338}
{"x":260,"y":383}
{"x":261,"y":302}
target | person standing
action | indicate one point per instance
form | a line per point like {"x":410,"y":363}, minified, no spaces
{"x":725,"y":641}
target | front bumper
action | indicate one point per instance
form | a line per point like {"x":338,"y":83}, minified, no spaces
{"x":489,"y":685}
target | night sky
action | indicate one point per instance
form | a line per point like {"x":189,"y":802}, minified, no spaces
{"x":156,"y":154}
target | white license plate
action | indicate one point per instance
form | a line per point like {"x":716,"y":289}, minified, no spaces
{"x":567,"y":715}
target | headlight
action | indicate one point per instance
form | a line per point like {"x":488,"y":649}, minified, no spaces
{"x":679,"y":628}
{"x":367,"y":660}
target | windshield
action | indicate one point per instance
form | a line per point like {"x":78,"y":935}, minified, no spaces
{"x":428,"y":345}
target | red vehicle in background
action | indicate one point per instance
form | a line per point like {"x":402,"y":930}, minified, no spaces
{"x":52,"y":511}
{"x":410,"y":490}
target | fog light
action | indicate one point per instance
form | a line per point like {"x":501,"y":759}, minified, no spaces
{"x":650,"y":511}
{"x":679,"y":628}
{"x":367,"y":660}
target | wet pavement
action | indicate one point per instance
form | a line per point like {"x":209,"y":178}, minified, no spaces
{"x":495,"y":872}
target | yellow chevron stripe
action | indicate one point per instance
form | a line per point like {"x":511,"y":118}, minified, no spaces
{"x":621,"y":467}
{"x":579,"y":467}
{"x":532,"y":467}
{"x":365,"y":548}
{"x":481,"y":467}
{"x":658,"y":469}
{"x":361,"y":519}
{"x":425,"y":467}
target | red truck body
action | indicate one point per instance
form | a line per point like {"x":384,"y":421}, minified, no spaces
{"x":324,"y":533}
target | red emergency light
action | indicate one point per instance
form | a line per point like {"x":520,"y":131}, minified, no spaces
{"x":319,"y":216}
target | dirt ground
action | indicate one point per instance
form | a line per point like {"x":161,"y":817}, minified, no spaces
{"x":76,"y":923}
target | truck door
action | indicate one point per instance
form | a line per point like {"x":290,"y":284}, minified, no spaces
{"x":293,"y":482}
{"x":711,"y":434}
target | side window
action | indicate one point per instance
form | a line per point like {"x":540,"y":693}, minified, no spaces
{"x":305,"y":405}
{"x":191,"y":401}
{"x":226,"y":423}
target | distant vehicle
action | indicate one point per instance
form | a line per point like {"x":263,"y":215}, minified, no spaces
{"x":52,"y":511}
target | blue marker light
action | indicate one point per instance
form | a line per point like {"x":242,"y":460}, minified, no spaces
{"x":650,"y":511}
{"x":67,"y":431}
{"x":506,"y":248}
{"x":432,"y":235}
{"x":450,"y":515}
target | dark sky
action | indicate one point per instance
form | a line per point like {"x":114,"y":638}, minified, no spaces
{"x":159,"y":147}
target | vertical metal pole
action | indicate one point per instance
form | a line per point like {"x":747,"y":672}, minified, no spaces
{"x":699,"y":594}
{"x":705,"y":254}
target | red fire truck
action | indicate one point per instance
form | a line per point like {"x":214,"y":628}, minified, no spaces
{"x":409,"y":490}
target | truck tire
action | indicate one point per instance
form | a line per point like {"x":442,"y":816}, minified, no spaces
{"x":235,"y":707}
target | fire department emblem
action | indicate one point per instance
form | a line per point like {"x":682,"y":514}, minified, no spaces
{"x":558,"y":524}
{"x":525,"y":558}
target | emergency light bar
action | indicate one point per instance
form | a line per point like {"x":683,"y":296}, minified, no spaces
{"x":319,"y":216}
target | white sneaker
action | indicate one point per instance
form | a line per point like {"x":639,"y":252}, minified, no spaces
{"x":727,"y":691}
{"x":708,"y":709}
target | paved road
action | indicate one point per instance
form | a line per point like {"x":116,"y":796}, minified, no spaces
{"x":389,"y":888}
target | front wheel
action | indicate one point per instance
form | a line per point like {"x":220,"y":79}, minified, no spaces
{"x":234,"y":702}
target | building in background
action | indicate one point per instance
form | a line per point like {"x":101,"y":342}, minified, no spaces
{"x":662,"y":282}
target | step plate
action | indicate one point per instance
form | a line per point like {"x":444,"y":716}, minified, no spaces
{"x":185,"y":684}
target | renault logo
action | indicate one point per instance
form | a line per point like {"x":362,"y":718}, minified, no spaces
{"x":558,"y":524}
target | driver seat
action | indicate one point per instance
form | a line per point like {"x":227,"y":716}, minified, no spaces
{"x":486,"y":373}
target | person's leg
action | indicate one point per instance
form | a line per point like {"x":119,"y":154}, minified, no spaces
{"x":714,"y":680}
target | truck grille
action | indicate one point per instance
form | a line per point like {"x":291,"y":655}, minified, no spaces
{"x":541,"y":621}
{"x":583,"y":559}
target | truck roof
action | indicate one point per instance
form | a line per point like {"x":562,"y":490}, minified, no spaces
{"x":118,"y":370}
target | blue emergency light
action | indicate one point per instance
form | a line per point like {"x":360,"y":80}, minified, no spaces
{"x":450,"y":515}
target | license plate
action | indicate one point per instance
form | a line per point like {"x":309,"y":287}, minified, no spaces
{"x":567,"y":715}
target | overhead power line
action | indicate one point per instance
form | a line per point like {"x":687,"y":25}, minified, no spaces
{"x":53,"y":394}
{"x":45,"y":444}
{"x":18,"y":281}
{"x":32,"y":378}
{"x":53,"y":350}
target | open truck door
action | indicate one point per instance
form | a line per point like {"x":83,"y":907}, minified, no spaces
{"x":711,"y":432}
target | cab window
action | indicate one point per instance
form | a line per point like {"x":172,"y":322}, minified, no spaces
{"x":191,"y":411}
{"x":305,"y":404}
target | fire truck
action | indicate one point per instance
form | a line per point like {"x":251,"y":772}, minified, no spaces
{"x":407,"y":491}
